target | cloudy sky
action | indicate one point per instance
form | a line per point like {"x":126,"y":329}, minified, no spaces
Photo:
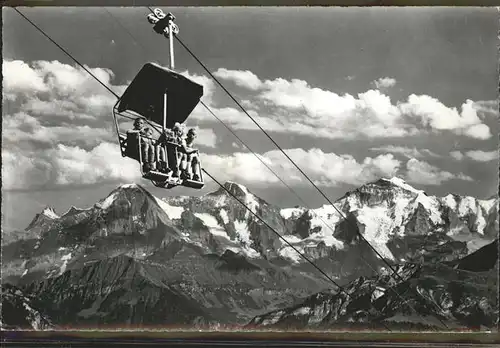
{"x":351,"y":94}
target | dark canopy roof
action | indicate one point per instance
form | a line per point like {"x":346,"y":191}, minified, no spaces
{"x":145,"y":95}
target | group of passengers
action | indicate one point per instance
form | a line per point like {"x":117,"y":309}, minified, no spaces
{"x":153,"y":152}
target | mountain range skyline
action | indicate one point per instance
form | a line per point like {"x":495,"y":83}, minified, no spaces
{"x":51,"y":212}
{"x":214,"y":264}
{"x":357,"y":94}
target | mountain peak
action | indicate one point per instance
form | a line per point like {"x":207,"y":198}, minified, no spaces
{"x":129,"y":186}
{"x":124,"y":190}
{"x":45,"y":218}
{"x":401,"y":183}
{"x":49,"y":212}
{"x":236,"y":189}
{"x":73,"y":210}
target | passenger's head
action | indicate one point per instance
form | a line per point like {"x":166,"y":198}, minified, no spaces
{"x":149,"y":132}
{"x":177,"y":128}
{"x":139,"y":123}
{"x":191,"y":133}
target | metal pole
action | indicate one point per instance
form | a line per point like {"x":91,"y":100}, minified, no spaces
{"x":171,"y":40}
{"x":164,"y":111}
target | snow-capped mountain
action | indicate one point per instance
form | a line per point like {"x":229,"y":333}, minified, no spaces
{"x":218,"y":260}
{"x":389,"y":212}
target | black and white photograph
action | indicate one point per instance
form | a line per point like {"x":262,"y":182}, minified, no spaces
{"x":250,"y":168}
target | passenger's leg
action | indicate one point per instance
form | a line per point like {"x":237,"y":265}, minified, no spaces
{"x":150,"y":155}
{"x":184,"y":166}
{"x":178,"y":167}
{"x":195,"y":167}
{"x":146,"y":166}
{"x":162,"y":159}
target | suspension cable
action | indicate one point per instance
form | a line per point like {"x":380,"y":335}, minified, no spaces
{"x":307,"y":259}
{"x":293,"y":191}
{"x":340,"y":213}
{"x":67,"y":53}
{"x":302,"y":172}
{"x":124,"y":28}
{"x":312,"y":263}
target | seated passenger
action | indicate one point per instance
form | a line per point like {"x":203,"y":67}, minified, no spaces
{"x":178,"y":139}
{"x":138,"y":130}
{"x":178,"y":131}
{"x":161,"y":156}
{"x":149,"y":148}
{"x":189,"y":161}
{"x":138,"y":126}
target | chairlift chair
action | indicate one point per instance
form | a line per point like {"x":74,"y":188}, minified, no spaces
{"x":161,"y":97}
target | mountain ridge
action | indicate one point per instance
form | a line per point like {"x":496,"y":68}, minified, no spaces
{"x":228,"y":266}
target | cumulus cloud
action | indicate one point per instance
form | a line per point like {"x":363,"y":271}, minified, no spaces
{"x":475,"y":155}
{"x":207,"y":83}
{"x":57,"y":127}
{"x":295,"y":106}
{"x":245,"y":79}
{"x":326,"y":169}
{"x":406,"y":151}
{"x":23,"y":130}
{"x":482,"y":156}
{"x":50,"y":102}
{"x":66,"y":165}
{"x":488,"y":107}
{"x":44,"y":81}
{"x":437,"y":116}
{"x":420,"y":172}
{"x":457,"y":155}
{"x":384,"y":82}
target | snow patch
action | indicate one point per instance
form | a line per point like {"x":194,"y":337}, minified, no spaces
{"x":476,"y":244}
{"x":252,"y":203}
{"x":50,"y":213}
{"x":288,"y":252}
{"x":450,"y":202}
{"x":401,"y":213}
{"x":325,"y":218}
{"x":212,"y":224}
{"x":250,"y":200}
{"x":220,"y":201}
{"x":108,"y":201}
{"x":172,"y":211}
{"x":378,"y":292}
{"x":223,"y":215}
{"x":127,"y":186}
{"x":65,"y":259}
{"x":272,"y":318}
{"x":432,"y":206}
{"x":302,"y":311}
{"x":401,"y":183}
{"x":467,"y":204}
{"x":353,"y":203}
{"x":480,"y":221}
{"x":288,"y":213}
{"x":377,"y":228}
{"x":487,"y":205}
{"x":243,"y":235}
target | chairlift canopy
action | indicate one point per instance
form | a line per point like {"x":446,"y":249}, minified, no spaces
{"x":145,"y":93}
